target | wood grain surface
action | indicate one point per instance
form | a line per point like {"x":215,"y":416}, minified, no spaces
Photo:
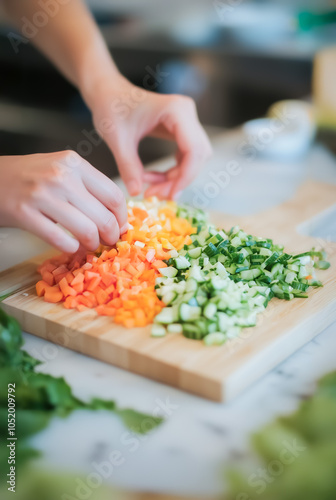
{"x":217,"y":373}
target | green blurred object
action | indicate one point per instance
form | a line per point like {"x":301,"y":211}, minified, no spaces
{"x":297,"y":453}
{"x":39,"y":397}
{"x":43,"y":485}
{"x":308,"y":21}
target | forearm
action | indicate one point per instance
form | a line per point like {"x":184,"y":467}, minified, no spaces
{"x":70,"y":38}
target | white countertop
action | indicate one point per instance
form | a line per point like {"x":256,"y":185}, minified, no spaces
{"x":187,"y":453}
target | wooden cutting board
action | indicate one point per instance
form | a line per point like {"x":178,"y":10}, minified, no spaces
{"x":217,"y":373}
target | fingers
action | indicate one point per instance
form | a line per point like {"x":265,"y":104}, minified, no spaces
{"x":131,"y":171}
{"x":103,"y":221}
{"x":150,"y":177}
{"x":181,"y":123}
{"x":161,"y":190}
{"x":38,"y":224}
{"x":83,"y":229}
{"x":193,"y":149}
{"x":129,"y":164}
{"x":106,"y":191}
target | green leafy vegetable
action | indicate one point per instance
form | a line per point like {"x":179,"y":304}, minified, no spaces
{"x":39,"y":396}
{"x":298,"y":453}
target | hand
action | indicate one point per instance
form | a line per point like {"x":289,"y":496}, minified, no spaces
{"x":124,"y":114}
{"x":37,"y":191}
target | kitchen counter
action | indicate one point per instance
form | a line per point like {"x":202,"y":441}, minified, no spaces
{"x":187,"y":454}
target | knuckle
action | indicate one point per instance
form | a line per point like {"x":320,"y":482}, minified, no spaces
{"x":183,"y":102}
{"x":36,"y":191}
{"x":68,"y":159}
{"x":57,"y":173}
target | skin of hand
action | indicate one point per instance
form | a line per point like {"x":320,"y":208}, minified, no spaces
{"x":124,"y":114}
{"x":37,"y":191}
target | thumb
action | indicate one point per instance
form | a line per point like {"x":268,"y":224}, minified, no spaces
{"x":130,"y":168}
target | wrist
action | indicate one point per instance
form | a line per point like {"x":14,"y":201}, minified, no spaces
{"x":97,"y":82}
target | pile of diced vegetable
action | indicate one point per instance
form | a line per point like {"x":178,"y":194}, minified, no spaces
{"x":221,"y":281}
{"x":174,"y":268}
{"x":119,"y":282}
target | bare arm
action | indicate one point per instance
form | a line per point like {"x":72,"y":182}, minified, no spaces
{"x":69,"y":37}
{"x":122,"y":113}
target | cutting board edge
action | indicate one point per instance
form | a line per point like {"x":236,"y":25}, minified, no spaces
{"x":278,"y":348}
{"x":137,"y":362}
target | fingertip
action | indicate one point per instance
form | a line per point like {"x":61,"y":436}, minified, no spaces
{"x":124,"y":228}
{"x":134,"y":187}
{"x":71,"y":246}
{"x":150,"y":177}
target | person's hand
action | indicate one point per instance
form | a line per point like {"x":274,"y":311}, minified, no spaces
{"x":37,"y":191}
{"x":124,"y":114}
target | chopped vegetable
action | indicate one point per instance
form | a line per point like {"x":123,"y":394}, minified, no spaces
{"x":119,"y":282}
{"x":174,"y":268}
{"x":220,"y":282}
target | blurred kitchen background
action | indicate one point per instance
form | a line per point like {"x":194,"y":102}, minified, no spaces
{"x":234,"y":57}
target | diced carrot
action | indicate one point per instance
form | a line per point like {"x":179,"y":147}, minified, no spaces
{"x":89,"y":275}
{"x":53,"y":294}
{"x":66,"y":288}
{"x":117,"y":303}
{"x":108,"y":279}
{"x":140,"y":213}
{"x":71,"y":302}
{"x":119,"y":281}
{"x":75,"y":272}
{"x":84,"y":301}
{"x":106,"y":311}
{"x":110,"y":289}
{"x":81,"y":308}
{"x":101,"y":296}
{"x":59,"y":277}
{"x":140,"y":316}
{"x":47,"y":266}
{"x":78,"y":279}
{"x":60,"y":270}
{"x":94,"y":282}
{"x":87,"y":266}
{"x":69,"y":277}
{"x":48,"y":277}
{"x":79,"y":287}
{"x":131,"y":270}
{"x":41,"y":287}
{"x":112,"y":253}
{"x":158,"y":264}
